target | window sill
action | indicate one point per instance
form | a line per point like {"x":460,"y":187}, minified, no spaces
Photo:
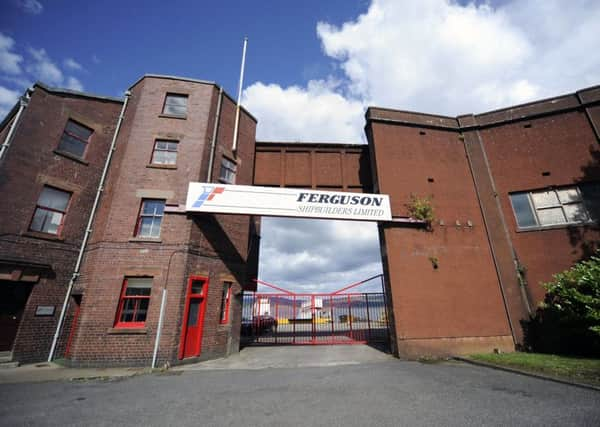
{"x":71,"y":157}
{"x":157,"y":166}
{"x":145,"y":240}
{"x":558,"y":227}
{"x":127,"y":331}
{"x":171,"y":116}
{"x":43,"y":236}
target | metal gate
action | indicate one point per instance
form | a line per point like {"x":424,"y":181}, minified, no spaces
{"x":282,"y":317}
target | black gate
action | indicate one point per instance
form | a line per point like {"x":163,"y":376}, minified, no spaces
{"x":283,"y":317}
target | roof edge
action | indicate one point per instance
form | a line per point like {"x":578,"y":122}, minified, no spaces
{"x":189,"y":79}
{"x":77,"y":93}
{"x":169,"y":77}
{"x":555,"y":104}
{"x":301,"y":144}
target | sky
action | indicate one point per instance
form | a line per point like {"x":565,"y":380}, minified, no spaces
{"x":312,"y":69}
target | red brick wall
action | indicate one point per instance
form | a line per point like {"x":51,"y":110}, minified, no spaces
{"x":211,"y":246}
{"x":30,"y":163}
{"x":518,"y":153}
{"x":324,"y":166}
{"x":458,"y":306}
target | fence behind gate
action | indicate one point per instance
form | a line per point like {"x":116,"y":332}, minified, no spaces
{"x":343,"y":317}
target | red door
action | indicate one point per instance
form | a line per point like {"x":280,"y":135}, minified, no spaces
{"x":193,"y":317}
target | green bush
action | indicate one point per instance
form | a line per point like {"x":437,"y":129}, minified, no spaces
{"x":568,"y":321}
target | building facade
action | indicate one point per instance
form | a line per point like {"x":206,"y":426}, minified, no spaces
{"x":514,"y":194}
{"x":42,"y":185}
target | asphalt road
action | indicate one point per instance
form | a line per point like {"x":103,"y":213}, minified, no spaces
{"x":389,"y":393}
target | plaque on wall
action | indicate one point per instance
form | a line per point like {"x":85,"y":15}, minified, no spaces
{"x":44,"y":310}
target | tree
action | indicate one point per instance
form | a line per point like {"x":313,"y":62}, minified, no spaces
{"x":568,"y":321}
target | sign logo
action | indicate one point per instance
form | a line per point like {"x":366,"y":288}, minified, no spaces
{"x":208,"y":193}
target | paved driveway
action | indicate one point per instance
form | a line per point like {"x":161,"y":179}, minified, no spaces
{"x":384,"y":393}
{"x":299,"y":356}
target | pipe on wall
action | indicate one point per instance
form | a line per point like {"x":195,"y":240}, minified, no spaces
{"x":213,"y":144}
{"x":159,"y":327}
{"x":24,"y":101}
{"x":88,"y":229}
{"x":239,"y":98}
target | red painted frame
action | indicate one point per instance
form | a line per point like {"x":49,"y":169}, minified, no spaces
{"x":73,"y":329}
{"x":225,"y":314}
{"x":189,"y":296}
{"x":64,"y":213}
{"x":86,"y":142}
{"x":122,"y":298}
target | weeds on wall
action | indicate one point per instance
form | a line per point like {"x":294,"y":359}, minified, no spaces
{"x":421,"y":208}
{"x":435,"y":262}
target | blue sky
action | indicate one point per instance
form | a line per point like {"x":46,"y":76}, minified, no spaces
{"x":312,"y":69}
{"x":117,"y":41}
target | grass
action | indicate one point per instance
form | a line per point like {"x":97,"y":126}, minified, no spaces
{"x":568,"y":368}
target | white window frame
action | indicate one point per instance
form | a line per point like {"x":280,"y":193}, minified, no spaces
{"x":535,"y":210}
{"x":231,"y":168}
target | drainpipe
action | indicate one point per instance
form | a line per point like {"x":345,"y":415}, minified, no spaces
{"x":23,"y":104}
{"x":213,"y":144}
{"x":159,"y":328}
{"x":237,"y":109}
{"x":88,"y":230}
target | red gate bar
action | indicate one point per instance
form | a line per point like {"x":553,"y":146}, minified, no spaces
{"x":304,"y":318}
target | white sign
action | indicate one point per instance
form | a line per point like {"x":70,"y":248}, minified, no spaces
{"x":274,"y":201}
{"x":44,"y":310}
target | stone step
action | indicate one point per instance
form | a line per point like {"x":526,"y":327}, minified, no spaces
{"x":5,"y":356}
{"x":8,"y":365}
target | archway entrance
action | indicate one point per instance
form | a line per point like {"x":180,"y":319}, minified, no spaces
{"x":353,"y":314}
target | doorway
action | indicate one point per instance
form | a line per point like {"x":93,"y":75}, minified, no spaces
{"x":195,"y":307}
{"x":13,"y":298}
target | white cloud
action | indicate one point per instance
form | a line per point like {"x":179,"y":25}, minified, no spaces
{"x":38,"y":65}
{"x":438,"y":56}
{"x":324,"y":255}
{"x":73,"y":84}
{"x":71,"y":64}
{"x":310,"y":114}
{"x":33,"y":7}
{"x":43,"y":68}
{"x":9,"y":61}
{"x":434,"y":56}
{"x":8,"y":98}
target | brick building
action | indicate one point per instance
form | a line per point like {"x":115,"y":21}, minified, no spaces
{"x":41,"y":179}
{"x":513,"y":190}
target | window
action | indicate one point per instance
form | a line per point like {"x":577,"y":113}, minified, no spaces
{"x":225,"y":302}
{"x":165,"y":152}
{"x":150,"y":218}
{"x":564,"y":205}
{"x":75,"y":139}
{"x":228,"y":170}
{"x":50,"y":211}
{"x":175,"y":105}
{"x":134,"y":301}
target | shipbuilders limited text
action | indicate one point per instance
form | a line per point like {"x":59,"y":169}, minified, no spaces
{"x":338,"y":204}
